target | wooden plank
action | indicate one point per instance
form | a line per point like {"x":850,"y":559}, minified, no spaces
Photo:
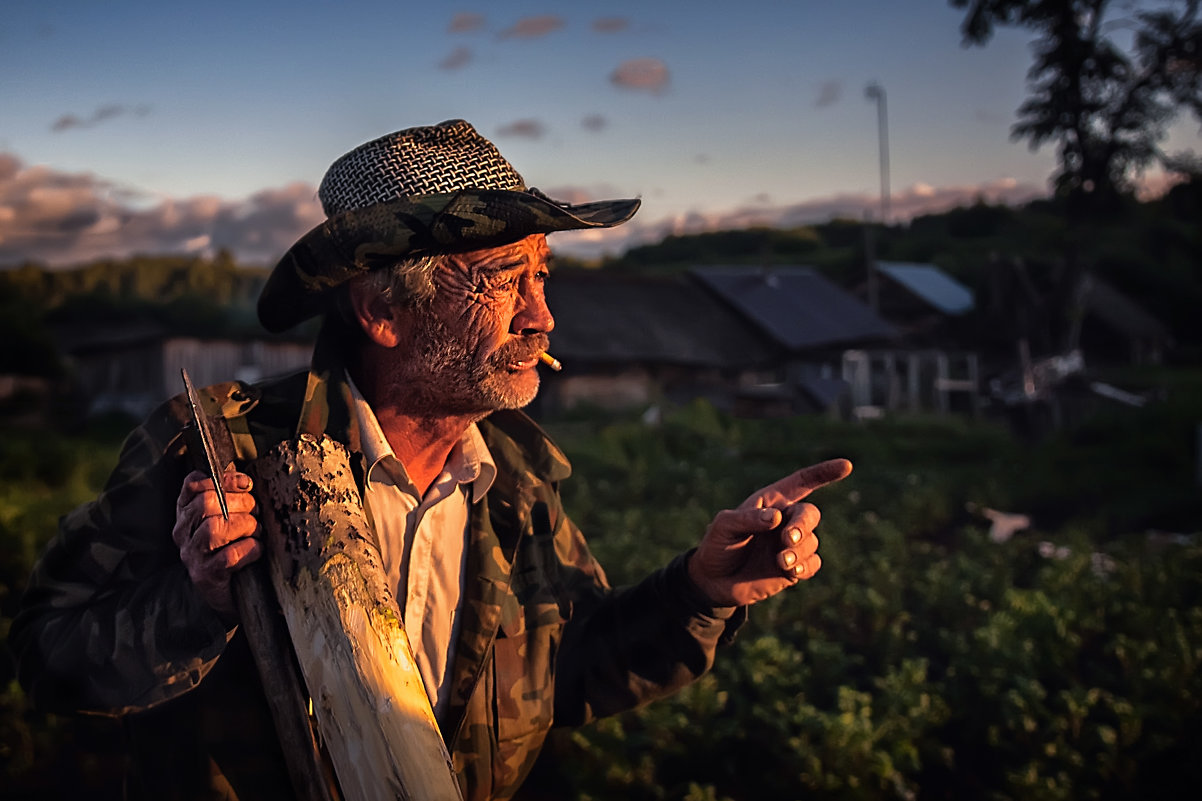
{"x":346,"y":628}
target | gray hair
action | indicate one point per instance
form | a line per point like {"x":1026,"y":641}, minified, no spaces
{"x":408,"y":283}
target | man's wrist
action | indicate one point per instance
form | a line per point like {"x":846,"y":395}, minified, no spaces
{"x":695,"y":591}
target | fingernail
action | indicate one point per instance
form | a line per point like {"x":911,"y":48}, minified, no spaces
{"x":794,"y":536}
{"x":243,"y":481}
{"x":790,"y":558}
{"x":768,"y":515}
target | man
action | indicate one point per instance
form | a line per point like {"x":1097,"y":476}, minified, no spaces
{"x":429,"y":276}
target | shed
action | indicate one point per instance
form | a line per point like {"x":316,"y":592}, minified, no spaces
{"x":927,"y":286}
{"x":1116,"y":328}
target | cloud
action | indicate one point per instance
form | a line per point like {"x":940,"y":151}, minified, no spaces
{"x":10,"y":165}
{"x":907,"y":204}
{"x":641,"y":74}
{"x":459,"y":57}
{"x":1155,"y":183}
{"x":466,"y":22}
{"x":527,"y":129}
{"x":578,"y":193}
{"x":594,"y":123}
{"x":533,"y":27}
{"x":610,"y":24}
{"x":829,"y":94}
{"x":104,"y":113}
{"x":60,"y":218}
{"x":914,"y":201}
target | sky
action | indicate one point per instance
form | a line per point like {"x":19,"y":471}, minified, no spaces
{"x":162,"y":127}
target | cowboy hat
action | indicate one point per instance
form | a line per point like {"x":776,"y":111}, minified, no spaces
{"x":436,"y":189}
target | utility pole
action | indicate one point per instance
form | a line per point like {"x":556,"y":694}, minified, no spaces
{"x":874,"y":91}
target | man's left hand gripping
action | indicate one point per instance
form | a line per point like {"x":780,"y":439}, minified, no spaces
{"x":767,"y":543}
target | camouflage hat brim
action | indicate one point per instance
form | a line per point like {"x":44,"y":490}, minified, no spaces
{"x":356,"y":241}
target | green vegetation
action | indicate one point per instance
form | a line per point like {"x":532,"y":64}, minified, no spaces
{"x":43,"y":475}
{"x":924,"y":661}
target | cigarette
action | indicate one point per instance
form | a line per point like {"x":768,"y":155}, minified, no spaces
{"x":550,"y":361}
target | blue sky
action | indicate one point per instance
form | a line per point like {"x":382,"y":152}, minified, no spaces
{"x":138,"y":126}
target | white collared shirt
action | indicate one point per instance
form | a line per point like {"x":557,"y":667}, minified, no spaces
{"x":423,"y":540}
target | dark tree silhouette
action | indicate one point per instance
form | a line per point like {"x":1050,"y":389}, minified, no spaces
{"x":1108,"y":80}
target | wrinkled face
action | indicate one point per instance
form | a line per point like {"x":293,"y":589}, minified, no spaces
{"x":478,"y":340}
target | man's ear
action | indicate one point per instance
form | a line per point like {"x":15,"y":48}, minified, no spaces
{"x":378,"y":318}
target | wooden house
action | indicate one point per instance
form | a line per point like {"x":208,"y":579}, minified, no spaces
{"x":809,"y":321}
{"x":629,"y":341}
{"x":132,"y":369}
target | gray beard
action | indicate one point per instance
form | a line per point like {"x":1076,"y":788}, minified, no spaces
{"x":446,"y":379}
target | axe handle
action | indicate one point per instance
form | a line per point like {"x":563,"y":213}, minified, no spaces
{"x":266,"y":633}
{"x":286,"y":696}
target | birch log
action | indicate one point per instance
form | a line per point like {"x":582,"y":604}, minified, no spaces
{"x":372,"y":709}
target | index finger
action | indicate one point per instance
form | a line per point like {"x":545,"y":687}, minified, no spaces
{"x":195,"y":483}
{"x":792,"y":488}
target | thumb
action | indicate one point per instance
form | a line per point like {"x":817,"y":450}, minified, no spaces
{"x":736,"y":525}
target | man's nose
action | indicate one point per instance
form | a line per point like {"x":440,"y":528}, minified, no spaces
{"x":533,"y":317}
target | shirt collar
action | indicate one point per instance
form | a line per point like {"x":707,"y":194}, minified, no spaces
{"x":469,"y":462}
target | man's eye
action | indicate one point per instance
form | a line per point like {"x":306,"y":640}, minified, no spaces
{"x":495,"y":285}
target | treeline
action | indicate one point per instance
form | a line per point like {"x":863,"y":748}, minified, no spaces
{"x":156,"y":279}
{"x":199,"y":296}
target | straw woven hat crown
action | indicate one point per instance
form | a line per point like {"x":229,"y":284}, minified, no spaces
{"x":435,"y":189}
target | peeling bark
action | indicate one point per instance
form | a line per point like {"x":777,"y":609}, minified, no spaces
{"x":371,"y":706}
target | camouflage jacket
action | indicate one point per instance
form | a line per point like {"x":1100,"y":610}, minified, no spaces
{"x":110,"y":622}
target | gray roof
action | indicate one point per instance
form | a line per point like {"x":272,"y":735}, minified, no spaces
{"x":603,"y":317}
{"x":796,"y":306}
{"x":930,"y":284}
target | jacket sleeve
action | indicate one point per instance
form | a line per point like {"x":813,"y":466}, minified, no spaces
{"x":627,"y":647}
{"x":110,"y":622}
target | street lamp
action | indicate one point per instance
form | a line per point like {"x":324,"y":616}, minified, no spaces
{"x":874,"y":91}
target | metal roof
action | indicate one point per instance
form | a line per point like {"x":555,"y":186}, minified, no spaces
{"x":796,"y":306}
{"x":931,"y":284}
{"x":602,"y":317}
